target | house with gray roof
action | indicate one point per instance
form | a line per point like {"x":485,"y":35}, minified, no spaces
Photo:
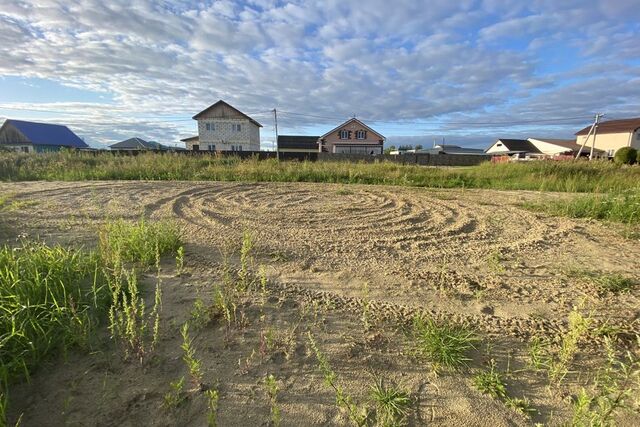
{"x":137,"y":144}
{"x":33,"y":137}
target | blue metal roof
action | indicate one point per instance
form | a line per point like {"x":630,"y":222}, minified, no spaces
{"x":48,"y":134}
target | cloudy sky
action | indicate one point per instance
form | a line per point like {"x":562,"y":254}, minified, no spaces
{"x":466,"y":70}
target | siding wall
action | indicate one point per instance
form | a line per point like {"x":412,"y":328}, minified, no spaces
{"x":611,"y":141}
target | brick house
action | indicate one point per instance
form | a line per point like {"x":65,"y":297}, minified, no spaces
{"x":222,"y":127}
{"x":353,"y":137}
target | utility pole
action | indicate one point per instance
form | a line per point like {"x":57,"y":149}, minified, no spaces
{"x":275,"y":118}
{"x":595,"y":132}
{"x":593,"y":129}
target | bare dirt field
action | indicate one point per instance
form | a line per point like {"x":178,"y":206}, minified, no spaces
{"x":332,"y":253}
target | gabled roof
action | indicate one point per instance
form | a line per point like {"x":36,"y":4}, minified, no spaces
{"x":191,"y":138}
{"x":518,"y":145}
{"x":47,"y":134}
{"x":221,"y":102}
{"x":614,"y":126}
{"x":349,"y":121}
{"x":137,"y":144}
{"x":298,"y":141}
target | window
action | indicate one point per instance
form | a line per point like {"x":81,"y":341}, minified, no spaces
{"x":211,"y":126}
{"x":212,"y":147}
{"x":344,"y":134}
{"x":361,"y":134}
{"x":638,"y":136}
{"x":236,"y":127}
{"x":233,"y":147}
{"x":25,"y":149}
{"x":499,"y":144}
{"x":208,"y":126}
{"x":239,"y":147}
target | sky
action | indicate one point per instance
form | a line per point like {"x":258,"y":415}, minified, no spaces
{"x":466,"y":71}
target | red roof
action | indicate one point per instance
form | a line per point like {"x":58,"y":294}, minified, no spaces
{"x":614,"y":126}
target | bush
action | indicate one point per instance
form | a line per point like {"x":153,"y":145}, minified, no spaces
{"x":638,"y":157}
{"x":625,"y":156}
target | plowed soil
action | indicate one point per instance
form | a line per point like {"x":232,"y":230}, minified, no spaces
{"x":469,"y":256}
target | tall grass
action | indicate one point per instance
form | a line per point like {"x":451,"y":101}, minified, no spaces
{"x":539,"y":176}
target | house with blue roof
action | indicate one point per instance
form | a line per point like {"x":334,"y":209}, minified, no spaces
{"x":32,"y":137}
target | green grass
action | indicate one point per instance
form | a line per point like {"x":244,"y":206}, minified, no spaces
{"x":594,"y":176}
{"x":614,"y":283}
{"x":444,"y":344}
{"x":140,"y":241}
{"x":392,"y":403}
{"x":616,"y":206}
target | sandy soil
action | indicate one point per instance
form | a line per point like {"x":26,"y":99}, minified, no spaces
{"x":469,"y":256}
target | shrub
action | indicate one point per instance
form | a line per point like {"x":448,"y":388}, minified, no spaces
{"x":625,"y":156}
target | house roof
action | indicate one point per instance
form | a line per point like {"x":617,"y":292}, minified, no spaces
{"x":298,"y":141}
{"x":221,"y":102}
{"x":349,"y":121}
{"x":518,"y":145}
{"x":614,"y":126}
{"x":47,"y":134}
{"x":569,"y":144}
{"x":191,"y":138}
{"x":137,"y":144}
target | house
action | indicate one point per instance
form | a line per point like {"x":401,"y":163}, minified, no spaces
{"x":353,"y":137}
{"x":30,"y":137}
{"x":612,"y":135}
{"x":536,"y":148}
{"x":518,"y":147}
{"x":137,"y":144}
{"x":298,"y":144}
{"x":222,"y":127}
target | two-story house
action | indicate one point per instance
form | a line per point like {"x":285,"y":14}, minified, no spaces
{"x":353,"y":137}
{"x":222,"y":127}
{"x":611,"y":135}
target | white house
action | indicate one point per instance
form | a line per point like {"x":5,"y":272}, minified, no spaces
{"x":222,"y":127}
{"x":536,"y":148}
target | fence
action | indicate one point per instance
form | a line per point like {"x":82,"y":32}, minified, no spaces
{"x":424,"y":159}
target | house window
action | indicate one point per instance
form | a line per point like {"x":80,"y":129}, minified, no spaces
{"x":499,"y":144}
{"x":25,"y":149}
{"x":236,"y":127}
{"x":212,"y":147}
{"x":208,"y":126}
{"x":233,"y":148}
{"x":344,"y":134}
{"x":239,"y":147}
{"x":361,"y":134}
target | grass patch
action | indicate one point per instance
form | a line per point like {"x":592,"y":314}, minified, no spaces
{"x":392,"y":403}
{"x":141,"y":242}
{"x":617,"y":206}
{"x":596,"y":176}
{"x":445,"y":345}
{"x":605,"y":282}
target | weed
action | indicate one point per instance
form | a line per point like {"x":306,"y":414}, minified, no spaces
{"x":494,"y":261}
{"x":245,"y":259}
{"x":490,"y":382}
{"x":392,"y":403}
{"x":180,"y":261}
{"x":605,"y":282}
{"x":539,"y":357}
{"x":212,"y":406}
{"x":344,"y":192}
{"x":615,"y":387}
{"x":358,"y":415}
{"x":578,"y":327}
{"x":193,"y":364}
{"x":521,"y":405}
{"x":443,"y":344}
{"x":271,"y":384}
{"x":176,"y":396}
{"x":200,"y":314}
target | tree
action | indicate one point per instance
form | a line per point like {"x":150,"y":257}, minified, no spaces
{"x":419,"y":147}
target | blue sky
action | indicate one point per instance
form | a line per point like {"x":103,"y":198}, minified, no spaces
{"x":469,"y":71}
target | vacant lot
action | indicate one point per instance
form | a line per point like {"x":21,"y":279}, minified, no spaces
{"x":349,"y":268}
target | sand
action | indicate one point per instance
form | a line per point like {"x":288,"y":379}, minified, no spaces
{"x":469,"y":256}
